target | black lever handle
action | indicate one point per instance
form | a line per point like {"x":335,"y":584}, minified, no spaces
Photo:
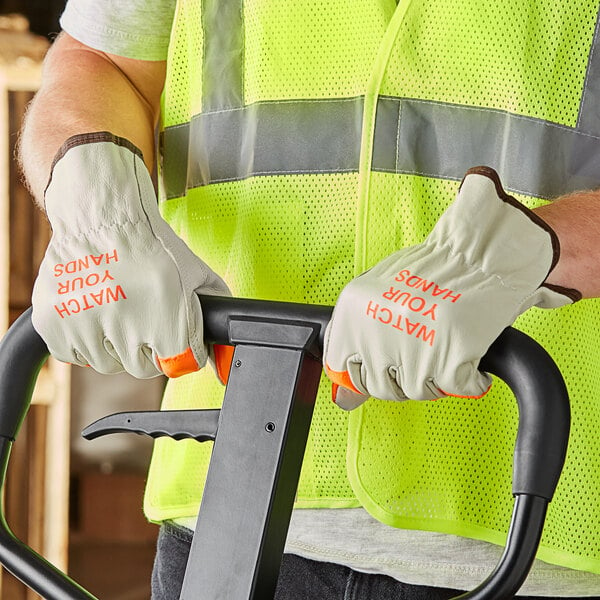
{"x":199,"y":425}
{"x":540,"y":449}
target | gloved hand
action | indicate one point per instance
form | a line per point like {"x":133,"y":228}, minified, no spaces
{"x":417,"y":324}
{"x":116,"y":288}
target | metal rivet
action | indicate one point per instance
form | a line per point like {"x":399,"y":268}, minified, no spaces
{"x":270,"y":427}
{"x":238,"y":363}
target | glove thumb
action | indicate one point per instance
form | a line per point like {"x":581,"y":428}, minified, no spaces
{"x":347,"y":399}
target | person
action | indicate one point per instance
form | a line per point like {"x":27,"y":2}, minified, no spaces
{"x":302,"y":145}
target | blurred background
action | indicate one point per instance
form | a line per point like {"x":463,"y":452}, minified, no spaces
{"x":42,"y":15}
{"x":76,"y":502}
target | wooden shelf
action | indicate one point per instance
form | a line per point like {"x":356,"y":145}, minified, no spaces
{"x":37,"y":490}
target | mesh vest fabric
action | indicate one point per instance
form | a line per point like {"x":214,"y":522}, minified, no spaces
{"x":299,"y":236}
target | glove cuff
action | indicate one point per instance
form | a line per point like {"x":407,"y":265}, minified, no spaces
{"x":94,"y":178}
{"x":90,"y":138}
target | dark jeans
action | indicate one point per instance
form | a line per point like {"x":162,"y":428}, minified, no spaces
{"x":299,"y":578}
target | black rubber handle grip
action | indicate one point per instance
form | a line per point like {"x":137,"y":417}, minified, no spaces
{"x":22,"y":354}
{"x":544,"y":410}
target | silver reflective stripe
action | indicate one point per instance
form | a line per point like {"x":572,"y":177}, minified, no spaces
{"x":532,"y":156}
{"x":278,"y":138}
{"x":222,"y":81}
{"x":589,"y":109}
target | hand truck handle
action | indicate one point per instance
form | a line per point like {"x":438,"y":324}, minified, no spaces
{"x":540,"y":449}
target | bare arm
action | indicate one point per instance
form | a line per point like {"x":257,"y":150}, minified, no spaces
{"x":576,"y":220}
{"x":84,"y":90}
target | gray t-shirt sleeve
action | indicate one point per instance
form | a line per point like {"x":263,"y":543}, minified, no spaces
{"x":131,"y":28}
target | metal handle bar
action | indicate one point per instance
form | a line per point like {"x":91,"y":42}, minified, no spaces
{"x":540,"y":448}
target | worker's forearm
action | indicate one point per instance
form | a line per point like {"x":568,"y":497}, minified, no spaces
{"x":85,"y":91}
{"x":576,"y":221}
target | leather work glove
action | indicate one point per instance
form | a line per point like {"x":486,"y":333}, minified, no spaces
{"x":116,"y":288}
{"x":417,"y":324}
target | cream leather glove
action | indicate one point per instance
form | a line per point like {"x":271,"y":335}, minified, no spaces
{"x":116,"y":288}
{"x":417,"y":324}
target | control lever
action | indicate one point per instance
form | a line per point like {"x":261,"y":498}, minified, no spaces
{"x":199,"y":425}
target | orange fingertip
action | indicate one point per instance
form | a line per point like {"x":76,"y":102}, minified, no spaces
{"x":466,"y":397}
{"x":340,"y":378}
{"x":223,"y":358}
{"x":181,"y":364}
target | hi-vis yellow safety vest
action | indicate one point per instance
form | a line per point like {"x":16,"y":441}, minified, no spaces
{"x":303,"y":141}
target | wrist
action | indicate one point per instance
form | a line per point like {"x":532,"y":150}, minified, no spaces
{"x":576,"y":264}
